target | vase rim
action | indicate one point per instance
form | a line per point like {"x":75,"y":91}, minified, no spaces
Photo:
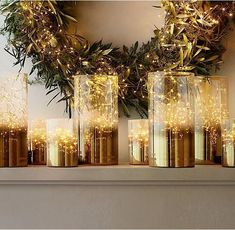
{"x":212,"y":76}
{"x":138,"y":119}
{"x":58,"y":119}
{"x":91,"y":75}
{"x":173,"y":73}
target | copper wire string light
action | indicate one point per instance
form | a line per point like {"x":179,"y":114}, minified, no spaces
{"x":190,"y":40}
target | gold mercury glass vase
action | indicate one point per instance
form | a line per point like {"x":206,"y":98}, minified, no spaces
{"x":62,"y":148}
{"x":211,"y":109}
{"x":138,"y":135}
{"x":171,"y":119}
{"x":37,"y":142}
{"x":96,"y":117}
{"x":13,"y":121}
{"x":228,"y":140}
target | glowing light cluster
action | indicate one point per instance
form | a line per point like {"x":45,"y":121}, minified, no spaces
{"x":98,"y":100}
{"x":64,"y":139}
{"x":138,"y":135}
{"x":13,"y":121}
{"x":138,"y":130}
{"x":229,"y":133}
{"x":211,"y":104}
{"x":13,"y":104}
{"x":169,"y":102}
{"x":37,"y":133}
{"x":62,"y":144}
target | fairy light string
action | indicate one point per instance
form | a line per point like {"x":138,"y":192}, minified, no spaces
{"x":190,"y":40}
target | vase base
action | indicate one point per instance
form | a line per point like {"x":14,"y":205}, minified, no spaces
{"x":97,"y":164}
{"x":205,"y":162}
{"x":155,"y":166}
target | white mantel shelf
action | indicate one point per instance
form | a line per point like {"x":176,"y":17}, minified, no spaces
{"x":119,"y":175}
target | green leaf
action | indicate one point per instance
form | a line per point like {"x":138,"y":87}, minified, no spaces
{"x":203,"y":47}
{"x":185,"y":39}
{"x":172,"y":29}
{"x":212,"y":58}
{"x":69,"y":17}
{"x":183,"y":16}
{"x":106,"y":52}
{"x":51,"y":6}
{"x":29,"y":48}
{"x":181,"y":56}
{"x":198,"y":51}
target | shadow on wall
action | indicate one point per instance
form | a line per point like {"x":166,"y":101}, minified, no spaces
{"x":118,"y":22}
{"x":228,"y":69}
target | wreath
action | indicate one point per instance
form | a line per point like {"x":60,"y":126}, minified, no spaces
{"x":190,"y":40}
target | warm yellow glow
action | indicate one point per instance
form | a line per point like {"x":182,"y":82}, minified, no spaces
{"x":211,"y":104}
{"x":138,"y":135}
{"x":62,"y":144}
{"x":172,"y":106}
{"x":13,"y":104}
{"x":37,"y":133}
{"x":228,"y":131}
{"x":97,"y":101}
{"x":211,"y":101}
{"x":13,"y":121}
{"x":228,"y":137}
{"x":138,"y":130}
{"x":64,"y":139}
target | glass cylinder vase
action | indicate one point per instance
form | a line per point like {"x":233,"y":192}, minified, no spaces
{"x":96,"y":116}
{"x":228,"y":146}
{"x":171,"y":119}
{"x":138,"y":141}
{"x":13,"y":121}
{"x":211,"y":109}
{"x":62,"y":147}
{"x":37,"y":142}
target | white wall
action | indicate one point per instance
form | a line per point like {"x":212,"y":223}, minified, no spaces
{"x":118,"y":22}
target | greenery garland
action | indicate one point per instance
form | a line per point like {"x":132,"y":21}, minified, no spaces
{"x":190,"y":40}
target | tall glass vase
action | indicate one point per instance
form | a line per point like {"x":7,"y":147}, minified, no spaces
{"x":171,"y":119}
{"x":211,"y":108}
{"x":13,"y":121}
{"x":96,"y":116}
{"x":62,"y":144}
